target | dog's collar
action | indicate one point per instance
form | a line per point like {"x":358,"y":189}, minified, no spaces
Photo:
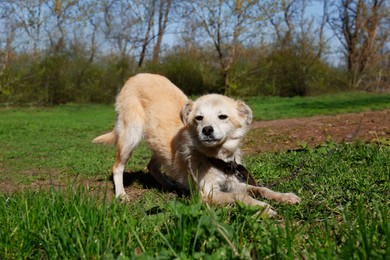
{"x":233,"y":168}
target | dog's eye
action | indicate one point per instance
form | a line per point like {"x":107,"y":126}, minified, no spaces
{"x":222,"y":117}
{"x":199,"y":118}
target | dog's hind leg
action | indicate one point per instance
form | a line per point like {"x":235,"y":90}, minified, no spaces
{"x":154,"y":168}
{"x":128,"y":139}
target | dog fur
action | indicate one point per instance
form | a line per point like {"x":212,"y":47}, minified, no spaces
{"x":183,"y":134}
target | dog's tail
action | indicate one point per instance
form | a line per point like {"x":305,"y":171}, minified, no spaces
{"x":108,"y":138}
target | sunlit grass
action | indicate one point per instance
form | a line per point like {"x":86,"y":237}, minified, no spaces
{"x":344,"y":190}
{"x":266,"y":108}
{"x":344,"y":213}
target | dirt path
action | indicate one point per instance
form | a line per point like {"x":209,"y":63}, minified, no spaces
{"x":287,"y":134}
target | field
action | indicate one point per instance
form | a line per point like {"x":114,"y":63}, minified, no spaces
{"x":56,"y":195}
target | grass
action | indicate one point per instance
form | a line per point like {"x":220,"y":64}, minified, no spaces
{"x":344,"y":213}
{"x":266,"y":108}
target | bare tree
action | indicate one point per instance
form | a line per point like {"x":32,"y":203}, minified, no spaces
{"x":7,"y":35}
{"x":29,"y":17}
{"x":295,"y":29}
{"x":62,"y":15}
{"x":163,"y":14}
{"x":299,"y":45}
{"x":150,"y":10}
{"x":283,"y":21}
{"x":90,"y":21}
{"x":228,"y":23}
{"x":122,"y":21}
{"x":36,"y":21}
{"x":362,"y":27}
{"x":131,"y":25}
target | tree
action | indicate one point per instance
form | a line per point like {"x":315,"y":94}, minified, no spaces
{"x":150,"y":10}
{"x":131,"y":25}
{"x":29,"y":17}
{"x":362,"y":27}
{"x":163,"y":14}
{"x":295,"y":29}
{"x":164,"y":7}
{"x":298,"y":46}
{"x":229,"y":24}
{"x":121,"y":24}
{"x":7,"y":35}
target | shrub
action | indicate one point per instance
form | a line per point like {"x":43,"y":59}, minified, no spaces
{"x":63,"y":76}
{"x":189,"y":71}
{"x":284,"y":73}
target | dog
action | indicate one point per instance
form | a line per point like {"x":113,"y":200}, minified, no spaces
{"x":193,"y":142}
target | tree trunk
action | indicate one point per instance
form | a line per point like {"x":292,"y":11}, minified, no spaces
{"x":162,"y":24}
{"x":147,"y":34}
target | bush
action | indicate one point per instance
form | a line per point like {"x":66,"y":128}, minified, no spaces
{"x":285,"y":73}
{"x":189,"y":72}
{"x":62,"y":77}
{"x":67,"y":74}
{"x":19,"y":81}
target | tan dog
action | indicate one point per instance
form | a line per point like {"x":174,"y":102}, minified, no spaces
{"x":190,"y":140}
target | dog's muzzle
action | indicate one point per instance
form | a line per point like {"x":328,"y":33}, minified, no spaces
{"x":208,"y":130}
{"x":208,"y":137}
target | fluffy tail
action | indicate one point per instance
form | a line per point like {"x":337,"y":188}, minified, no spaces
{"x":109,"y":138}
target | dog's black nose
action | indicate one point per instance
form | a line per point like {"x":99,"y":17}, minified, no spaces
{"x":207,"y":130}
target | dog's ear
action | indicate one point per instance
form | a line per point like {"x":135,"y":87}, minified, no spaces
{"x":185,"y":112}
{"x":245,"y":111}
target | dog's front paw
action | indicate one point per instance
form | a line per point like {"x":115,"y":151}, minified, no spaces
{"x":123,"y":197}
{"x":267,"y":212}
{"x":291,"y":198}
{"x":271,"y":213}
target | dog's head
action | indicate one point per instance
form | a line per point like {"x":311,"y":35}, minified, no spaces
{"x":215,"y":119}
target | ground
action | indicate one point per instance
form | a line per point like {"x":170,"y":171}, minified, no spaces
{"x":265,"y":136}
{"x":289,"y":134}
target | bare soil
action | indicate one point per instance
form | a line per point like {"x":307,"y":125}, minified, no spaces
{"x":265,"y":136}
{"x":290,"y":134}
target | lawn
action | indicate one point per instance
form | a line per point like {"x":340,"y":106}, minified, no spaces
{"x":266,"y":108}
{"x":345,"y":191}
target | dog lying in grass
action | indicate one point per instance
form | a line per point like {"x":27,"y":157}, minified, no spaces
{"x":192,"y":141}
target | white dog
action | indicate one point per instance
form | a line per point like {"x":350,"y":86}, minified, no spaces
{"x":191,"y":141}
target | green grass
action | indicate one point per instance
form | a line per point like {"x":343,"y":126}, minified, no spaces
{"x":56,"y":141}
{"x":345,"y":191}
{"x":266,"y":108}
{"x":344,"y":214}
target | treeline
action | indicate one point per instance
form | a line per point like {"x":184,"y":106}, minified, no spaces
{"x":56,"y":52}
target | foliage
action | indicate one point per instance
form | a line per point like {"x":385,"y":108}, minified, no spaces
{"x":189,"y":71}
{"x":290,"y":74}
{"x":59,"y":77}
{"x":284,"y":73}
{"x":56,"y":52}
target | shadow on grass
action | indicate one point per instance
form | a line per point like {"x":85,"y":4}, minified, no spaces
{"x":140,"y":177}
{"x":147,"y":181}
